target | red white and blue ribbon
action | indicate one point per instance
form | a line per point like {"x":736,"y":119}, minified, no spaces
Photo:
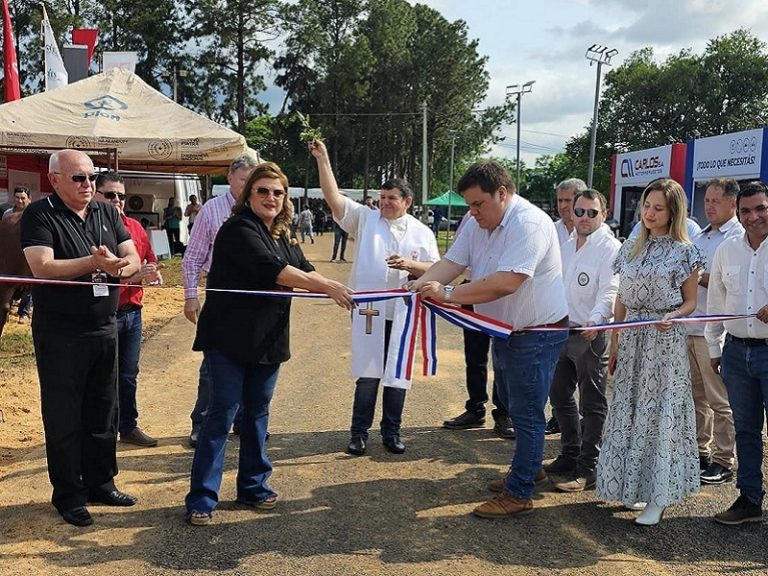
{"x":420,"y":313}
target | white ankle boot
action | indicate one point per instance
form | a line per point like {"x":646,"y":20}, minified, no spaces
{"x":651,"y":515}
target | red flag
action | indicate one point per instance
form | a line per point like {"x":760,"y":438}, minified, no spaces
{"x":87,"y":37}
{"x":11,"y":82}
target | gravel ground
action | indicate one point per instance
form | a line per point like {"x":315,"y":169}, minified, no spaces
{"x":378,"y":514}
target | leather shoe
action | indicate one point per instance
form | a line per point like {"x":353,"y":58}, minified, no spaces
{"x":193,"y":438}
{"x":466,"y":420}
{"x":77,"y":516}
{"x":112,"y":498}
{"x":139,"y":438}
{"x":503,"y":427}
{"x":553,"y":427}
{"x":503,"y":506}
{"x":356,"y":446}
{"x":393,"y":444}
{"x":716,"y":474}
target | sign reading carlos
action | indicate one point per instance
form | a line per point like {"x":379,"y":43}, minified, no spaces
{"x":643,"y":166}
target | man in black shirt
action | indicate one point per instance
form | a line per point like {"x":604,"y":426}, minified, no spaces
{"x":67,"y":236}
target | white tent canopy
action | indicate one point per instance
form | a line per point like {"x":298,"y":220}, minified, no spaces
{"x":117,"y":109}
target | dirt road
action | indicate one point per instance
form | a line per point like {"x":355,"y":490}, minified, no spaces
{"x":378,"y":514}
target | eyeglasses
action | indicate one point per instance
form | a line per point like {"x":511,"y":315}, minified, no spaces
{"x":264,"y":192}
{"x":112,"y":195}
{"x":80,"y":178}
{"x":591,"y":212}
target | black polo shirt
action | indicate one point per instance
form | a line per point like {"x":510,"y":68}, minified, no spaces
{"x":74,"y":309}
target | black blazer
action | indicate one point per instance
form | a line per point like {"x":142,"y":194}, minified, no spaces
{"x":249,"y":329}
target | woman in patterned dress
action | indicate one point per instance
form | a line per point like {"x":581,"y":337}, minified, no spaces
{"x":649,"y":452}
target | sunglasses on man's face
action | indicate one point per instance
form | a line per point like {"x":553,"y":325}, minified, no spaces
{"x":80,"y":178}
{"x":591,"y":212}
{"x":276,"y":192}
{"x":112,"y":195}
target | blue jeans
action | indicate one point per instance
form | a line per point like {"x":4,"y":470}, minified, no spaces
{"x":203,"y":393}
{"x":524,"y":364}
{"x":745,"y":372}
{"x":128,"y":351}
{"x":339,"y":238}
{"x":232,"y":381}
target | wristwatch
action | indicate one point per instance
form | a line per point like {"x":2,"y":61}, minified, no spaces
{"x":448,"y":290}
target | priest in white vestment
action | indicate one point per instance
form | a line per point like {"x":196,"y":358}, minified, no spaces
{"x":392,"y":246}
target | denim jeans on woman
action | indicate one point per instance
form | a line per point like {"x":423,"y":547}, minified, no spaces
{"x":524,"y":364}
{"x":233,"y":383}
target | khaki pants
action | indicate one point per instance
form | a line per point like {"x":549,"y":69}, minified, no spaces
{"x":714,"y":420}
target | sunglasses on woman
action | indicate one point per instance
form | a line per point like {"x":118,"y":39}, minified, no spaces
{"x":591,"y":212}
{"x":264,"y":192}
{"x":112,"y":195}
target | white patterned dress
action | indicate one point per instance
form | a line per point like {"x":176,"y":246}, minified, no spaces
{"x":649,"y":451}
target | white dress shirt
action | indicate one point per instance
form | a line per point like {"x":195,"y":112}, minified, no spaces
{"x":562,"y":232}
{"x":708,"y":240}
{"x":525,"y":242}
{"x":590,"y":283}
{"x":738,"y":284}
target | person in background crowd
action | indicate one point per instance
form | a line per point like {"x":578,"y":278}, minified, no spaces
{"x":476,"y":347}
{"x":714,"y":420}
{"x":513,"y":250}
{"x":306,"y":218}
{"x":245,"y":338}
{"x":21,"y":199}
{"x":566,"y":193}
{"x":110,"y":186}
{"x":68,"y":236}
{"x":172,"y":225}
{"x":197,"y":260}
{"x":339,"y":240}
{"x":738,"y":284}
{"x":368,"y":202}
{"x":590,"y":289}
{"x":191,"y":212}
{"x":392,"y":246}
{"x":649,"y":454}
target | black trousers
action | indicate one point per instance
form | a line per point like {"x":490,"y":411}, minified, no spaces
{"x":476,"y":347}
{"x":78,"y":393}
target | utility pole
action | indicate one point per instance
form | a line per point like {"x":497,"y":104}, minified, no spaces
{"x":424,"y":173}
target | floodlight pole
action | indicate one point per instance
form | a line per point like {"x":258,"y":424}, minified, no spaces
{"x":517,"y":90}
{"x":601,"y":55}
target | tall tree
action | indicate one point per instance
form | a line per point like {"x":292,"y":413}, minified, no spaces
{"x":232,"y":39}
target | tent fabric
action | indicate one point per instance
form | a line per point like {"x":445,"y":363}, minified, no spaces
{"x":450,"y":197}
{"x":117,"y":109}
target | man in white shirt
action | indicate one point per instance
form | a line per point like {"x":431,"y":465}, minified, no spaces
{"x":391,"y":247}
{"x":738,"y":284}
{"x":566,"y":192}
{"x":514,"y":253}
{"x":590,"y":289}
{"x":714,"y":420}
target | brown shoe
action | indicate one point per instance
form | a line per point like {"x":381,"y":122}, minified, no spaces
{"x":499,"y":484}
{"x":502,"y":506}
{"x":137,"y":437}
{"x":578,"y":483}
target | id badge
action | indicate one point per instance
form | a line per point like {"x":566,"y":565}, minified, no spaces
{"x":99,"y":289}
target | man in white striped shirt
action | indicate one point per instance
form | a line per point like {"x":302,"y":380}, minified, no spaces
{"x":197,"y":259}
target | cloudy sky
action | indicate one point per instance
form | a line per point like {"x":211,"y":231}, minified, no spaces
{"x":546,"y":41}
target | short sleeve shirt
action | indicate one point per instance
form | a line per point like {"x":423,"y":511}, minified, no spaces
{"x":50,"y":223}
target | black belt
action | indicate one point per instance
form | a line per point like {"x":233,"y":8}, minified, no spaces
{"x":750,"y":341}
{"x":129,"y":308}
{"x":562,"y":323}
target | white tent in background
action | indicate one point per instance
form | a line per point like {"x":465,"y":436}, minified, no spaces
{"x":117,"y":109}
